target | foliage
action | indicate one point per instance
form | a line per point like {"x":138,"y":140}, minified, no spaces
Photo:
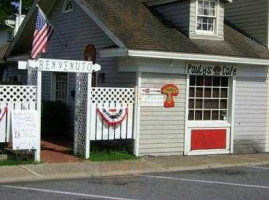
{"x":109,"y":151}
{"x":8,"y":8}
{"x":15,"y":162}
{"x":54,"y":118}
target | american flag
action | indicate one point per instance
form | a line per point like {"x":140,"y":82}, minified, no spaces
{"x":43,"y":32}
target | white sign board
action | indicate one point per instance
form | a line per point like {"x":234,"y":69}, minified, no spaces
{"x":25,"y":130}
{"x":151,"y":100}
{"x":3,"y":123}
{"x":151,"y":91}
{"x":55,"y":65}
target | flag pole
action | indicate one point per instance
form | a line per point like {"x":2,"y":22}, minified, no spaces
{"x":55,"y":31}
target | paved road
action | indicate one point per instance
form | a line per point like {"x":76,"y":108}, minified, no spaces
{"x":231,"y":183}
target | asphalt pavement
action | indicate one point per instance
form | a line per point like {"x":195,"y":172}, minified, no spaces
{"x":246,"y":183}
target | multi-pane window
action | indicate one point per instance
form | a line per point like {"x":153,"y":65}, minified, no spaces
{"x":207,"y":14}
{"x":61,"y":80}
{"x":208,"y":98}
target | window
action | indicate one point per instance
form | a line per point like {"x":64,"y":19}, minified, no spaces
{"x":68,"y":6}
{"x":207,"y":16}
{"x":61,"y":87}
{"x":208,"y":98}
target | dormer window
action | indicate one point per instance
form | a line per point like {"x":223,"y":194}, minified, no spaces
{"x":68,"y":7}
{"x":207,"y":12}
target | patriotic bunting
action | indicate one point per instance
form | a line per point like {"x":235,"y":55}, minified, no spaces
{"x":113,"y":116}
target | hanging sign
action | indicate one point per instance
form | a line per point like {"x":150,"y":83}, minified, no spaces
{"x":112,"y":116}
{"x":3,"y":123}
{"x":151,"y":97}
{"x":151,"y":100}
{"x":151,"y":91}
{"x":211,"y":70}
{"x":55,"y":65}
{"x":170,"y":91}
{"x":25,"y":130}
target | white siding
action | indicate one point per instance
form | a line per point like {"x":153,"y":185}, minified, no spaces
{"x":162,"y":129}
{"x":78,"y":30}
{"x":250,"y":115}
{"x":178,"y":13}
{"x":251,"y":16}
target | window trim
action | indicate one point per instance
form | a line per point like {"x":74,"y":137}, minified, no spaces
{"x":228,"y":99}
{"x":202,"y":32}
{"x":53,"y":96}
{"x":64,"y":10}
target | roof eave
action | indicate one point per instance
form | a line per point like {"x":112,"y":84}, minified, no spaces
{"x":182,"y":56}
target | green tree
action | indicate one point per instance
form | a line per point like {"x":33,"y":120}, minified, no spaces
{"x":10,"y":7}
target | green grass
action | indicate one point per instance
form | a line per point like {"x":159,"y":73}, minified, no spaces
{"x":111,"y":151}
{"x":16,"y":162}
{"x":113,"y":155}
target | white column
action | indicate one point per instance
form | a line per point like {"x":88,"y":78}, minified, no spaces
{"x":137,"y":114}
{"x":88,"y":121}
{"x":39,"y":94}
{"x":187,"y":141}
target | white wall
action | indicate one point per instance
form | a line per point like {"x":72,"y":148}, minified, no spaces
{"x":162,"y":129}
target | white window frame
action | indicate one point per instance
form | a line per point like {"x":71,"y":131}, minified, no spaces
{"x":64,"y":10}
{"x":216,"y":24}
{"x":203,"y":98}
{"x":54,"y":87}
{"x":228,"y":125}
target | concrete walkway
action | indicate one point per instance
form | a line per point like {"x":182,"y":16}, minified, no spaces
{"x":87,"y":169}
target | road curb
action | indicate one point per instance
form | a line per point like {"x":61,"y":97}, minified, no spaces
{"x":33,"y":176}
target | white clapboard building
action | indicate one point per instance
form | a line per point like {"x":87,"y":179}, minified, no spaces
{"x":155,"y":51}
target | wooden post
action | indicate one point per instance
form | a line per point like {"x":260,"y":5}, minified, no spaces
{"x":137,"y":114}
{"x":39,"y":93}
{"x":88,"y":121}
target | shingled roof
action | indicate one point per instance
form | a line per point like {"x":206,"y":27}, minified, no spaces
{"x":133,"y":23}
{"x":138,"y":29}
{"x":3,"y":50}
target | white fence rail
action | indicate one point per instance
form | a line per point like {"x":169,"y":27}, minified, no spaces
{"x":14,"y":97}
{"x":111,"y":98}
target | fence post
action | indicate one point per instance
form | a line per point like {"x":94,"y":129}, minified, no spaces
{"x":39,"y":93}
{"x":88,"y":115}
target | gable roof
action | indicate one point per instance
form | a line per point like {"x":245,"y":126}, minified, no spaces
{"x":137,"y":28}
{"x":3,"y":50}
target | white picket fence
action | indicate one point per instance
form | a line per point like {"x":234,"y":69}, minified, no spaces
{"x":14,"y":97}
{"x":110,"y":98}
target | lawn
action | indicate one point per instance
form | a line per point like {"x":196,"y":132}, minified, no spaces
{"x":103,"y":152}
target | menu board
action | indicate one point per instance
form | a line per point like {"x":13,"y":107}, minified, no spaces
{"x":25,"y":130}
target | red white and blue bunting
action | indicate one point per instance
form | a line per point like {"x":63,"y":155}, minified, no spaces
{"x":3,"y":113}
{"x":112,"y":116}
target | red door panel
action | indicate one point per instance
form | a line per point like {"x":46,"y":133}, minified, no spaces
{"x":208,"y":139}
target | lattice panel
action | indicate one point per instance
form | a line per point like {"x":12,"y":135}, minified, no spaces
{"x":32,"y":76}
{"x":81,"y":114}
{"x":113,"y":95}
{"x":17,"y":94}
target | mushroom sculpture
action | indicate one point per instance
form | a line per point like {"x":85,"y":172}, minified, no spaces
{"x":170,"y":91}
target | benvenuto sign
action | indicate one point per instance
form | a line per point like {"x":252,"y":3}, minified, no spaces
{"x":55,"y":65}
{"x":213,"y":70}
